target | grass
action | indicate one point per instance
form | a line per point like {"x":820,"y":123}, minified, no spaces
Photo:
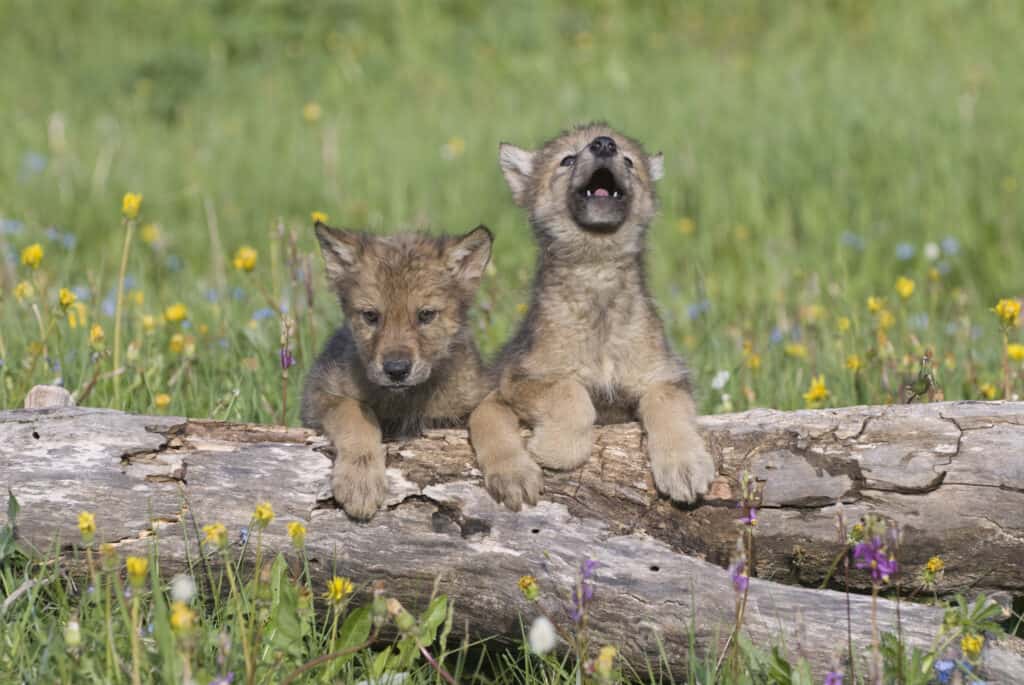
{"x":816,"y":153}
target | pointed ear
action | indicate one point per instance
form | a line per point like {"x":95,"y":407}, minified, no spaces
{"x":656,"y":164}
{"x":468,"y":256}
{"x":517,"y":166}
{"x":341,"y":250}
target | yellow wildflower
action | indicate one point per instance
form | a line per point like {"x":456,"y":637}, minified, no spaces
{"x":687,"y":226}
{"x":843,"y":324}
{"x":812,"y":313}
{"x":245,"y":258}
{"x":216,"y":534}
{"x":132,"y":353}
{"x":521,"y":308}
{"x":1015,"y":351}
{"x":263,"y":515}
{"x":935,"y":564}
{"x":161,"y":400}
{"x":854,"y":363}
{"x":137,"y":297}
{"x":312,"y":112}
{"x":137,"y":567}
{"x":453,"y":149}
{"x":338,"y":588}
{"x":177,"y":343}
{"x":753,"y":361}
{"x":203,"y":329}
{"x":934,"y":275}
{"x":96,"y":334}
{"x":528,"y":586}
{"x":87,"y":526}
{"x":1008,"y":311}
{"x":176,"y":312}
{"x":988,"y":391}
{"x":319,"y":217}
{"x":972,"y":645}
{"x":905,"y":287}
{"x":150,"y":233}
{"x":798,"y":350}
{"x":885,"y":319}
{"x":182,"y":617}
{"x":77,"y":315}
{"x":130,"y":204}
{"x":875,"y":304}
{"x":23,"y":290}
{"x":148,"y":323}
{"x":817,"y":392}
{"x":297,"y":532}
{"x":32,"y":255}
{"x":604,"y":662}
{"x":66,"y":298}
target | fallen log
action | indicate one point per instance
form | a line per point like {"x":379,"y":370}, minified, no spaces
{"x":952,"y":475}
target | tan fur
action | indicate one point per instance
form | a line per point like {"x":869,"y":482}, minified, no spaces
{"x":385,"y":284}
{"x":592,"y":346}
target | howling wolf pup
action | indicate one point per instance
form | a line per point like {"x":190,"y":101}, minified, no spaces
{"x":404,"y":359}
{"x":591,"y":347}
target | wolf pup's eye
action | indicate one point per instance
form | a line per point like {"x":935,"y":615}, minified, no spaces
{"x":425,"y":316}
{"x":569,"y":160}
{"x":370,"y":316}
{"x":629,"y":162}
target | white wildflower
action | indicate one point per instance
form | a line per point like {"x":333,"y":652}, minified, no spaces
{"x":183,"y":588}
{"x":542,"y":636}
{"x":720,"y":379}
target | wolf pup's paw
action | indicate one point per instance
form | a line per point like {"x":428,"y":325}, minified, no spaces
{"x":515,"y":481}
{"x":360,"y":487}
{"x":560,"y":447}
{"x":683,"y":471}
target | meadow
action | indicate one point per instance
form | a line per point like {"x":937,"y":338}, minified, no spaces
{"x":842,"y":215}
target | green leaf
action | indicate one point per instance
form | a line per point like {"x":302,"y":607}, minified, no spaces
{"x":284,"y":630}
{"x":380,"y":662}
{"x":12,"y":508}
{"x":353,"y":632}
{"x":432,"y":618}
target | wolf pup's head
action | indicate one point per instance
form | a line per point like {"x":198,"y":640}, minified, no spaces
{"x":591,"y":179}
{"x":405,"y":296}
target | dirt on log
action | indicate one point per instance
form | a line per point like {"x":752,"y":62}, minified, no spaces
{"x":951,"y":474}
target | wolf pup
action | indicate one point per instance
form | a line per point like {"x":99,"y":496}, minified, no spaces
{"x":405,"y":358}
{"x":591,"y":347}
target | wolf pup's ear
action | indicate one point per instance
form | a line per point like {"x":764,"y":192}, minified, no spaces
{"x":341,"y":250}
{"x":468,"y":256}
{"x":517,"y":166}
{"x":656,"y":163}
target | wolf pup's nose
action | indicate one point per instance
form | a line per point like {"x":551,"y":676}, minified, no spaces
{"x":603,"y":146}
{"x":397,"y":369}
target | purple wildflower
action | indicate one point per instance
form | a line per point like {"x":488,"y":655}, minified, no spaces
{"x":583,"y":593}
{"x":944,"y":670}
{"x":833,"y":678}
{"x":226,"y":679}
{"x":750,"y":517}
{"x":874,"y":556}
{"x":287,"y":360}
{"x":739,"y":576}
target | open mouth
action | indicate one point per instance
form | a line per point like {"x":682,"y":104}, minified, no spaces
{"x":602,"y":184}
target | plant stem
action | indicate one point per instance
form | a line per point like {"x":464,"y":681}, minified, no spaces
{"x":324,"y":658}
{"x":129,"y":229}
{"x":136,"y":648}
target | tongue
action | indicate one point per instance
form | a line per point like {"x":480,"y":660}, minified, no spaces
{"x":601,"y":192}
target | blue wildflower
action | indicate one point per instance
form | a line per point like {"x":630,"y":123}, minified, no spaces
{"x":697,"y":309}
{"x":173,"y":262}
{"x":212,"y":295}
{"x":33,"y":163}
{"x":263,"y":313}
{"x":944,"y":670}
{"x":82,"y":293}
{"x":950,"y":246}
{"x":776,"y":336}
{"x":238,"y":293}
{"x":851,"y":239}
{"x":833,"y":678}
{"x":905,"y":251}
{"x":10,"y":226}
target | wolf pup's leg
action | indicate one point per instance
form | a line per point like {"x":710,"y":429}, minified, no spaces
{"x":562,"y":417}
{"x":510,"y":475}
{"x":682,"y":467}
{"x":358,"y":480}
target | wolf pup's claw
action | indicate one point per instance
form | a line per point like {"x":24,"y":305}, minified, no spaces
{"x":683,"y":475}
{"x":360,"y":488}
{"x":515,"y":482}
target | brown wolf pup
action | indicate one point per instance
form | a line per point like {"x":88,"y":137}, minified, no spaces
{"x":404,"y":359}
{"x":591,"y":347}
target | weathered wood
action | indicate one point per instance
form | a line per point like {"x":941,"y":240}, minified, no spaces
{"x":951,"y":473}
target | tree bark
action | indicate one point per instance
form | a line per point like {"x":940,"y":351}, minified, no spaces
{"x":951,"y":474}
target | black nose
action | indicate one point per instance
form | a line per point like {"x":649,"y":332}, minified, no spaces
{"x":603,"y":146}
{"x":397,"y":368}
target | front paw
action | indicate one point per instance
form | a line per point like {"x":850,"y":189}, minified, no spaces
{"x":514,"y":481}
{"x":559,"y":447}
{"x":360,"y":486}
{"x":683,"y":470}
